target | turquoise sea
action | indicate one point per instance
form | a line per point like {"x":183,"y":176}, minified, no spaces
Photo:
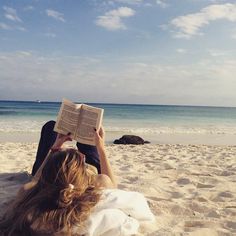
{"x":144,"y":120}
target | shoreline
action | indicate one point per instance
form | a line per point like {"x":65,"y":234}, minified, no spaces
{"x":182,"y":139}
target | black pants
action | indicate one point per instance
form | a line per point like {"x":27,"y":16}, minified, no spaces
{"x":47,"y":139}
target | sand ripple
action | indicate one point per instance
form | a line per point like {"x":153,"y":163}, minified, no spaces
{"x":191,"y":189}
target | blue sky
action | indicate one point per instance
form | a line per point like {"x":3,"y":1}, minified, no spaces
{"x":119,"y":51}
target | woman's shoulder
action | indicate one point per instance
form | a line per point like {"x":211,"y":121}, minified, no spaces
{"x":103,"y":181}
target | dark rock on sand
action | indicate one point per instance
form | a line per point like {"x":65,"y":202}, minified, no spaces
{"x":130,"y":139}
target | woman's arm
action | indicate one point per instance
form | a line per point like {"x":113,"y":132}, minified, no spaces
{"x":60,"y":140}
{"x":107,"y":177}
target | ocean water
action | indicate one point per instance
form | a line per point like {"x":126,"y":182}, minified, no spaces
{"x":144,"y":120}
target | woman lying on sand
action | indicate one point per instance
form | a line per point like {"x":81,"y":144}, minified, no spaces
{"x":66,"y":187}
{"x":65,"y":184}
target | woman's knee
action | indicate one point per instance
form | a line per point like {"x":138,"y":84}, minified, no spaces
{"x":49,"y":125}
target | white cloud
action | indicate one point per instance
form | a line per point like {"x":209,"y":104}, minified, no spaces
{"x":218,"y":53}
{"x":190,"y":25}
{"x":11,"y":14}
{"x":181,"y":50}
{"x":24,"y":53}
{"x":112,"y":20}
{"x":5,"y":26}
{"x":131,"y":2}
{"x":55,"y":14}
{"x":209,"y":82}
{"x":162,"y":3}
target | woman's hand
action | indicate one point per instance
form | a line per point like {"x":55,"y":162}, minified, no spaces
{"x":61,"y":138}
{"x":100,"y":138}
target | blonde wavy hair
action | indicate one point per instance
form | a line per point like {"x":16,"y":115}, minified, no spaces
{"x":63,"y":197}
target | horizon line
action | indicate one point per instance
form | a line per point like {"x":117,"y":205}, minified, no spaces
{"x":109,"y":103}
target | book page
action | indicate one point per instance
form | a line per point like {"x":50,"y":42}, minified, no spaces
{"x":89,"y":118}
{"x":67,"y":119}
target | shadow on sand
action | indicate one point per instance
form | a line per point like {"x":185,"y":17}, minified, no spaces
{"x":10,"y":183}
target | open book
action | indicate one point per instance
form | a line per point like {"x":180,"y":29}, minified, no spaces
{"x":80,"y":120}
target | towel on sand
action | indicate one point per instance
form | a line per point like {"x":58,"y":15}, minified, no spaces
{"x":119,"y":212}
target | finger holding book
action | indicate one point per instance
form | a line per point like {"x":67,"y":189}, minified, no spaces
{"x":99,"y":137}
{"x":60,"y":140}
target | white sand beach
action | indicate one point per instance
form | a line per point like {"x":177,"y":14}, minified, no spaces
{"x":191,"y":189}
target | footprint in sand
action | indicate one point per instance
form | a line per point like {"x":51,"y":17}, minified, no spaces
{"x":172,"y":158}
{"x":183,"y":181}
{"x":125,"y":168}
{"x":233,"y":207}
{"x":121,"y":186}
{"x":176,"y":194}
{"x":208,"y":180}
{"x":195,"y":206}
{"x":222,"y":196}
{"x":230,"y":212}
{"x":148,"y":165}
{"x":132,"y":179}
{"x":125,"y":156}
{"x":199,"y":185}
{"x":152,"y":155}
{"x":213,"y":214}
{"x":226,"y":194}
{"x":198,"y":224}
{"x":202,"y":199}
{"x":230,"y":225}
{"x":226,"y":173}
{"x":168,"y":166}
{"x":153,"y":198}
{"x":218,"y":199}
{"x":181,"y":211}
